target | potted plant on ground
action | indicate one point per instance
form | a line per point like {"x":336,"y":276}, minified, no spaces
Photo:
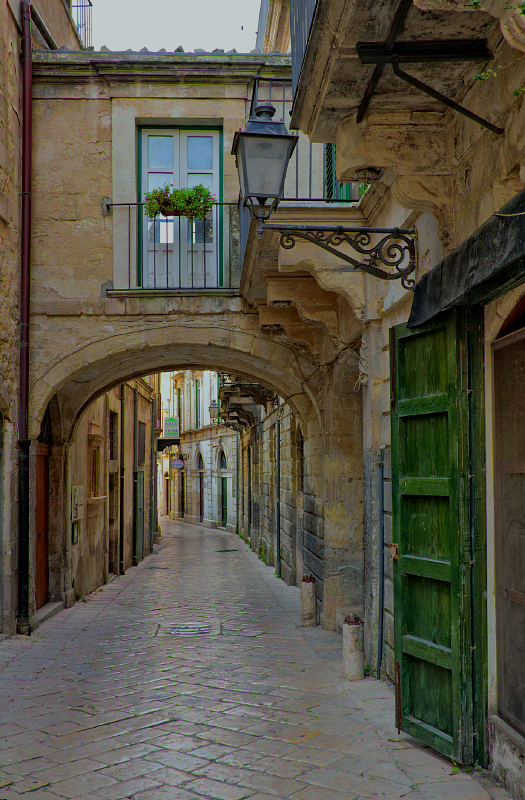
{"x":193,"y":202}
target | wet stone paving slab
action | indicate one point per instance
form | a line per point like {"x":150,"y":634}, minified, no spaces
{"x":190,"y":677}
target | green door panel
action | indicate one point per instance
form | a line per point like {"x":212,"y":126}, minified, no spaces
{"x":430,"y":501}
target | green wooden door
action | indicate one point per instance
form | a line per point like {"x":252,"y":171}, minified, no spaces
{"x":430,"y":496}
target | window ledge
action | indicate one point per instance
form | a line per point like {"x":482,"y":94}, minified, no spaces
{"x":95,"y":500}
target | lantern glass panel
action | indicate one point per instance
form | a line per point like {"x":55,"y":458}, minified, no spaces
{"x":264,"y":165}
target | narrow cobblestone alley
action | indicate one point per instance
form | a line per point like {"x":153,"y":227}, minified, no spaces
{"x":107,"y":701}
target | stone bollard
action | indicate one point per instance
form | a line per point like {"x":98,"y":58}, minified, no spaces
{"x":353,"y":655}
{"x":308,"y":602}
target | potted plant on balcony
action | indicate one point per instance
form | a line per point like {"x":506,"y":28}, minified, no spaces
{"x":193,"y":202}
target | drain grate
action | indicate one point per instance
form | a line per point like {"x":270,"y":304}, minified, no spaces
{"x":191,"y":629}
{"x":234,"y":550}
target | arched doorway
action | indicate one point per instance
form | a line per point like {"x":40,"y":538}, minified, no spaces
{"x":43,"y":452}
{"x":200,"y":487}
{"x":223,"y":466}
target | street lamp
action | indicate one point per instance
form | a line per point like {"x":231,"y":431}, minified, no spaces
{"x":262,"y":153}
{"x":213,"y":408}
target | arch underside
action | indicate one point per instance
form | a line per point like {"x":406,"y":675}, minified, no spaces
{"x":78,"y":377}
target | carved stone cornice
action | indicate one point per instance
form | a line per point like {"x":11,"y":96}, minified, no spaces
{"x":510,"y":15}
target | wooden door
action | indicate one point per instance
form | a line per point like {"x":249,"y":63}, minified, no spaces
{"x":430,"y":495}
{"x":43,"y":452}
{"x":139,"y":517}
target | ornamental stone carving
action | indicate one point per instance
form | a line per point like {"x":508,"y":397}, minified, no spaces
{"x":510,"y":15}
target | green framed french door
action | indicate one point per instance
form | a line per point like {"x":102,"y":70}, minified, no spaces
{"x":434,"y":551}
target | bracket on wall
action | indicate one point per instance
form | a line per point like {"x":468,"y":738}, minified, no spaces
{"x":424,"y":52}
{"x":395,"y":249}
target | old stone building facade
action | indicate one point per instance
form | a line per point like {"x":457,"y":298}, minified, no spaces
{"x":377,"y":418}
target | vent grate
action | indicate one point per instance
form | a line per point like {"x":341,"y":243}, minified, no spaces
{"x":191,"y":629}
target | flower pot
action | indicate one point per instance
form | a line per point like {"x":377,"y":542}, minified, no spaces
{"x":167,"y":210}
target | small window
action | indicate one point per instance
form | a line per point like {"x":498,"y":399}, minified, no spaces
{"x":222,"y":461}
{"x":94,"y":472}
{"x":197,"y":404}
{"x":142,"y":444}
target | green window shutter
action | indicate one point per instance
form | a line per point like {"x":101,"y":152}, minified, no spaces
{"x":430,"y":502}
{"x":333,"y":189}
{"x":179,"y":408}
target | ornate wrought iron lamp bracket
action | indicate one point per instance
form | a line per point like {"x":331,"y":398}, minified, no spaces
{"x":395,"y":249}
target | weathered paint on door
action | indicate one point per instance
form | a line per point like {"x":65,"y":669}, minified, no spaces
{"x":430,"y":495}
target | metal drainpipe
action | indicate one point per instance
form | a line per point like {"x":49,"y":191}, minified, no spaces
{"x":153,"y":481}
{"x":135,"y":470}
{"x":278,"y":496}
{"x":381,"y":475}
{"x":24,"y":443}
{"x":238,"y":484}
{"x":121,"y":491}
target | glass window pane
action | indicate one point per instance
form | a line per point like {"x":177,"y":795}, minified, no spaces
{"x":201,"y":231}
{"x":160,"y":152}
{"x":158,"y":179}
{"x":200,"y":152}
{"x":201,"y":177}
{"x":160,"y":230}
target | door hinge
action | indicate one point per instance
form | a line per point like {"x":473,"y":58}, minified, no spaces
{"x":394,"y":550}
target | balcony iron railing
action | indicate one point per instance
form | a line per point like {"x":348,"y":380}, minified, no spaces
{"x":311,"y":171}
{"x":301,"y":16}
{"x":175,"y":253}
{"x":82,"y":15}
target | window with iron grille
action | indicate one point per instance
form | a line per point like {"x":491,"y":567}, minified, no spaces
{"x":113,"y":436}
{"x":94,"y":472}
{"x":333,"y":189}
{"x":142,"y":444}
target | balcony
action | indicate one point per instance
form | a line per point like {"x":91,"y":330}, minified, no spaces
{"x":174,"y":254}
{"x":82,"y":16}
{"x":301,"y":16}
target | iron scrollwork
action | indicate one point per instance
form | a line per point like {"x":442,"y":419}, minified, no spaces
{"x":396,"y":249}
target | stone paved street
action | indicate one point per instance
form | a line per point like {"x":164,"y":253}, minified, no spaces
{"x":105,"y":702}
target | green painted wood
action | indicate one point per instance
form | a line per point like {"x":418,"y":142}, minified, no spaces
{"x":426,"y":568}
{"x":442,"y":656}
{"x":423,"y":405}
{"x":425,"y":486}
{"x":430,"y":499}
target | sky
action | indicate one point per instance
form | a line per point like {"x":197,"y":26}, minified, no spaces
{"x":156,"y":24}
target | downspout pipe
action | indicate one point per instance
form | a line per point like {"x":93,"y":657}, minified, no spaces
{"x":25,"y":284}
{"x":122,"y":473}
{"x":381,"y":599}
{"x":278,"y":497}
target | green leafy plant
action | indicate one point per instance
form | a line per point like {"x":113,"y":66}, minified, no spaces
{"x":367,"y":669}
{"x":262,"y":552}
{"x":193,"y":202}
{"x":455,"y":768}
{"x":363,"y":188}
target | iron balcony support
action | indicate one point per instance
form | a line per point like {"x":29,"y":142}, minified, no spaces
{"x":395,"y":249}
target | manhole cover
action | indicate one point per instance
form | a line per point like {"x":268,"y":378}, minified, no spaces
{"x":191,"y":629}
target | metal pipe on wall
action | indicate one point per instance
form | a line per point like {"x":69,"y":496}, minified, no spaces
{"x":122,"y":471}
{"x":278,"y":497}
{"x":381,"y":599}
{"x":24,"y":443}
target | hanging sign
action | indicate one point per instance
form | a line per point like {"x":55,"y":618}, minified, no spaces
{"x":177,"y":463}
{"x":171,"y":427}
